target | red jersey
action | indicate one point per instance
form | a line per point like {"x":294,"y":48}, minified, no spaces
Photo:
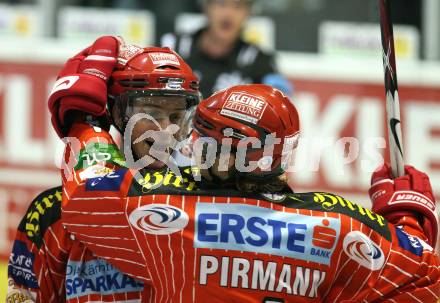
{"x":192,"y":244}
{"x":48,"y":265}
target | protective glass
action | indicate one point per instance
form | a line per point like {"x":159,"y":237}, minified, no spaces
{"x":164,"y":107}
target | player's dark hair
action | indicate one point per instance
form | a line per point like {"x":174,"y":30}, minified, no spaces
{"x":270,"y":185}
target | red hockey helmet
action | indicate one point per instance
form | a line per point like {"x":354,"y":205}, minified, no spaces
{"x":252,"y":111}
{"x":152,"y":72}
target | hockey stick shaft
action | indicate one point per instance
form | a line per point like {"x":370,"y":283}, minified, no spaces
{"x":391,"y":90}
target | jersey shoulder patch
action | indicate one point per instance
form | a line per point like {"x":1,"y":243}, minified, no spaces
{"x":327,"y":202}
{"x":163,"y":182}
{"x":44,"y":211}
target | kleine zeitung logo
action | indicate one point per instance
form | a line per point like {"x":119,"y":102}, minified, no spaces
{"x":159,"y":219}
{"x":244,"y":106}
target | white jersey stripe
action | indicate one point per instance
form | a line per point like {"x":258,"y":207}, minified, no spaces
{"x":430,"y":291}
{"x":376,"y":291}
{"x":56,"y":240}
{"x":104,"y":238}
{"x":352,"y":276}
{"x":171,"y":257}
{"x":135,"y":238}
{"x":194,"y":269}
{"x":94,"y":212}
{"x":403,"y":255}
{"x":389,"y":281}
{"x":183,"y":254}
{"x":150,"y":251}
{"x":399,"y":269}
{"x":96,"y":225}
{"x":111,"y":247}
{"x":414,"y":297}
{"x":96,"y":198}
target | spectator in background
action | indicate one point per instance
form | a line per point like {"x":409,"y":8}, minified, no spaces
{"x":218,"y":54}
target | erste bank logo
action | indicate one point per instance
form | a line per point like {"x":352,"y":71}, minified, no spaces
{"x":242,"y":227}
{"x":159,"y":219}
{"x":360,"y":248}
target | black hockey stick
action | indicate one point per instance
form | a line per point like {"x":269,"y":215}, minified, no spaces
{"x":392,"y":96}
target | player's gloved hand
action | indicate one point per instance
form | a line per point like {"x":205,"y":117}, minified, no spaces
{"x":82,"y":83}
{"x":410,"y":194}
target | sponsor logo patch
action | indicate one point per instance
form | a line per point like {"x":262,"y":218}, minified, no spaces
{"x":168,"y":179}
{"x":95,"y":72}
{"x":109,"y":182}
{"x":412,"y":197}
{"x":360,"y":248}
{"x":94,"y":171}
{"x":97,"y":153}
{"x":164,"y":59}
{"x":21,"y":265}
{"x":43,"y":212}
{"x":256,"y":229}
{"x":329,"y":202}
{"x":244,"y":107}
{"x":174,"y":83}
{"x":64,"y":83}
{"x":97,"y":277}
{"x":411,"y":243}
{"x":159,"y":219}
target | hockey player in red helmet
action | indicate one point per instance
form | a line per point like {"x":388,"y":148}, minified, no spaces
{"x":192,"y":243}
{"x":153,"y":81}
{"x":158,"y":83}
{"x":154,"y":76}
{"x":204,"y":241}
{"x":258,"y":123}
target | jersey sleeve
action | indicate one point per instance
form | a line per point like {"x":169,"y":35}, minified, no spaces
{"x":95,"y":185}
{"x":37,"y":263}
{"x":373,"y":260}
{"x":90,"y":154}
{"x":412,"y":269}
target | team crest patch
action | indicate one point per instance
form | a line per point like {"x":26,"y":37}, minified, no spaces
{"x":159,"y":219}
{"x":360,"y":248}
{"x":164,"y":59}
{"x":244,"y":107}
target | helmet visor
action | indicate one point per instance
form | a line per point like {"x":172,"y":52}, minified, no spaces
{"x":164,"y":108}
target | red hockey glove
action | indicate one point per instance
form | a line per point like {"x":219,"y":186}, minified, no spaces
{"x":82,"y":83}
{"x":410,"y":194}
